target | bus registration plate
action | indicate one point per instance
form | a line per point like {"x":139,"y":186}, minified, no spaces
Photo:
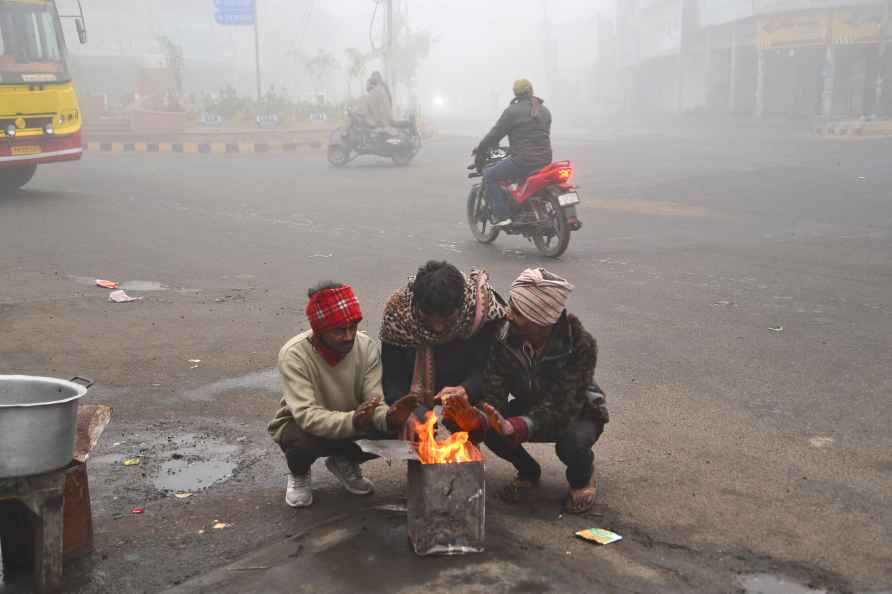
{"x":25,"y":149}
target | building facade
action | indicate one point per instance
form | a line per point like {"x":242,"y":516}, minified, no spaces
{"x":789,"y":58}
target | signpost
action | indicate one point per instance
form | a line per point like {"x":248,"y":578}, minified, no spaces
{"x":241,"y":13}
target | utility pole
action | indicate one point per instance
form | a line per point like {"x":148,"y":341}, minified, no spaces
{"x":388,"y":45}
{"x":549,"y":50}
{"x":257,"y":52}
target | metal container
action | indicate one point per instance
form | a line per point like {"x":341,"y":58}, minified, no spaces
{"x":446,"y":508}
{"x":38,"y":418}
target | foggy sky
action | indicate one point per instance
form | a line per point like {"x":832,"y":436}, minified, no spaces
{"x":480,"y":47}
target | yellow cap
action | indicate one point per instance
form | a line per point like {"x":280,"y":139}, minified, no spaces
{"x":523,"y":87}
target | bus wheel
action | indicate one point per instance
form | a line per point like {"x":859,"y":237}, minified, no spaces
{"x":13,"y":178}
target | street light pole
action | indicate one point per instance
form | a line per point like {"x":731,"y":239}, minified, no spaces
{"x":388,"y":55}
{"x":257,"y":50}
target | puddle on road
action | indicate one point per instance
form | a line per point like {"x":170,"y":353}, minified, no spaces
{"x":195,"y":462}
{"x":771,"y":584}
{"x":134,"y":285}
{"x":139,"y":285}
{"x":266,"y":379}
{"x":194,"y":475}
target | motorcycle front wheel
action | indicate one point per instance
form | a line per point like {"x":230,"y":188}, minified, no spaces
{"x":402,"y":158}
{"x":478,"y":217}
{"x":338,"y":155}
{"x":555,"y":240}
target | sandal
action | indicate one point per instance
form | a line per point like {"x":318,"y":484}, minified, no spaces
{"x":514,"y":491}
{"x":581,"y":500}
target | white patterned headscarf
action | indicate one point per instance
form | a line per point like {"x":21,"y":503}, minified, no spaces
{"x":540,"y":296}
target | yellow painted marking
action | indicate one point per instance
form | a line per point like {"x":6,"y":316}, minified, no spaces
{"x":648,"y":207}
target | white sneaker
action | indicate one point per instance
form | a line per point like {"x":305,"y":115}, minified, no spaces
{"x":299,"y":492}
{"x":350,"y":475}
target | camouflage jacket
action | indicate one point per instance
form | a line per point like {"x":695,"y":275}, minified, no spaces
{"x":553,"y":389}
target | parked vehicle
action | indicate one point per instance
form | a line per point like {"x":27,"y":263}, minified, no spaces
{"x":357,"y":138}
{"x":40,"y":118}
{"x":544,"y":209}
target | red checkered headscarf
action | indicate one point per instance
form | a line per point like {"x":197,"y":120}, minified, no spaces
{"x":331,"y":308}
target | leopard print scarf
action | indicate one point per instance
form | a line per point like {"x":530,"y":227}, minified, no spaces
{"x":401,"y":326}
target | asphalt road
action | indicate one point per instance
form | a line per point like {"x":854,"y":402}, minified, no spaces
{"x":735,"y":447}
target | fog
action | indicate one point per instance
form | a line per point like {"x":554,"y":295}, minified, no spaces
{"x":455,"y":59}
{"x":476,"y":49}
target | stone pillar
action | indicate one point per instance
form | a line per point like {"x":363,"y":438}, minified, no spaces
{"x":829,"y":75}
{"x":760,"y":83}
{"x":883,"y":54}
{"x":732,"y":81}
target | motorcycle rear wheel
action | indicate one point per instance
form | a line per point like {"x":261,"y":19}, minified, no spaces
{"x":402,"y":159}
{"x":553,"y":244}
{"x":478,"y":217}
{"x":338,"y":155}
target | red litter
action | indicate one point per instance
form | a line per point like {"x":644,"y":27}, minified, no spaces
{"x":137,"y":510}
{"x":106,"y":284}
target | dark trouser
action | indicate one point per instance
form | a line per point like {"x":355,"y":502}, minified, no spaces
{"x":573,"y":446}
{"x":504,"y":170}
{"x":302,"y":449}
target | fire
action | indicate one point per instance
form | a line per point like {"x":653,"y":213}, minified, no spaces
{"x":456,"y":449}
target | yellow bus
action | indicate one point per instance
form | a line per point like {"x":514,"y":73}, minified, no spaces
{"x":40,"y":118}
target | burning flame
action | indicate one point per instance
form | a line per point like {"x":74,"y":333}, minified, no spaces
{"x":457,"y":448}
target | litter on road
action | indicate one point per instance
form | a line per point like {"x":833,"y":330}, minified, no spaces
{"x":106,"y":284}
{"x":777,"y":328}
{"x":182,"y":494}
{"x":131,"y":461}
{"x":599,"y":535}
{"x":137,"y":510}
{"x":122,"y":297}
{"x":220,"y":525}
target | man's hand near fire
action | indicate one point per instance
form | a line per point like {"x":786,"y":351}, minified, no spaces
{"x":498,"y":423}
{"x":400,"y":411}
{"x":364,"y":414}
{"x":457,"y":407}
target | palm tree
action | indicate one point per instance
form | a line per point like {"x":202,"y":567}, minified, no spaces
{"x":357,"y":63}
{"x":320,"y":67}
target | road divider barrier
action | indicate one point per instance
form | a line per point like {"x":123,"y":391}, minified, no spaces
{"x":199,"y":148}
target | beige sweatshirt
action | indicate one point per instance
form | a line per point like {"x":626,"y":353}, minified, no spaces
{"x":321,"y":398}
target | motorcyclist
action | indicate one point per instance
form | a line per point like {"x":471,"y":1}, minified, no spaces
{"x":527,"y":123}
{"x":377,"y":106}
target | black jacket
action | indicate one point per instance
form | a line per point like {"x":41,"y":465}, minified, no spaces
{"x":552,"y":390}
{"x":530,"y":137}
{"x":456,"y":363}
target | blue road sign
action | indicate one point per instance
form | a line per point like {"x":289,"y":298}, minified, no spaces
{"x":234,"y":18}
{"x":234,"y":5}
{"x":234,"y":12}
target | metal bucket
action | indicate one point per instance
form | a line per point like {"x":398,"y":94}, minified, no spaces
{"x":447,"y":508}
{"x":38,"y":419}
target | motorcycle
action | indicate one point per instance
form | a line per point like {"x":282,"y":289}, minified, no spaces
{"x":349,"y":142}
{"x":544,"y":209}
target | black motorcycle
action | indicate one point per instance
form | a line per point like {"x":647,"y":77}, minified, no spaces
{"x":357,"y":138}
{"x":543,"y":205}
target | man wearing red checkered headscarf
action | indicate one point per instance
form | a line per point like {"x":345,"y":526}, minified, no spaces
{"x":331,"y":395}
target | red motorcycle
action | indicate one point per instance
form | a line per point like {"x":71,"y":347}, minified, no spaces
{"x":544,"y":211}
